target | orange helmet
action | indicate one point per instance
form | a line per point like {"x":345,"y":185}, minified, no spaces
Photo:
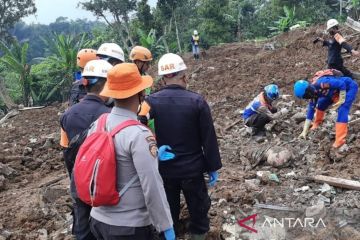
{"x":140,"y":53}
{"x":84,"y":56}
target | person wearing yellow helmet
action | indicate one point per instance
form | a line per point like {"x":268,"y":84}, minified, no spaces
{"x":142,"y":57}
{"x":78,"y":91}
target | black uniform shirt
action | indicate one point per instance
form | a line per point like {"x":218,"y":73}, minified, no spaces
{"x":183,"y":121}
{"x":80,"y":116}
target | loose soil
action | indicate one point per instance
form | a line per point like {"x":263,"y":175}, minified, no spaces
{"x":34,"y":198}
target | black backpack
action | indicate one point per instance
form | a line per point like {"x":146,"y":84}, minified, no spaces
{"x":72,"y":150}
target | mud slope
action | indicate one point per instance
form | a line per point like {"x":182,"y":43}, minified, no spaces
{"x":34,"y":199}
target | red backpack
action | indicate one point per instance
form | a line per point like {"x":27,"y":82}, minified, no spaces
{"x":95,"y":172}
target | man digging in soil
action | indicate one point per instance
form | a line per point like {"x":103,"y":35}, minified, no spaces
{"x":260,"y":111}
{"x":325,"y":91}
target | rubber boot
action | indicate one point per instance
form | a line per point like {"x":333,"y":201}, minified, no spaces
{"x":197,"y":236}
{"x":341,"y":130}
{"x":319,"y":118}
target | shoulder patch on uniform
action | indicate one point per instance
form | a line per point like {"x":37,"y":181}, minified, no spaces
{"x":151,"y":139}
{"x":152,"y":146}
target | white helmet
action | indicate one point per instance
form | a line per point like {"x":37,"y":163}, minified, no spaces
{"x":96,"y":68}
{"x":112,"y":50}
{"x":170,"y":63}
{"x":196,"y":32}
{"x":331,"y":23}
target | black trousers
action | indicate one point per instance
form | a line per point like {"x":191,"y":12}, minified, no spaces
{"x":81,"y":220}
{"x":197,"y":201}
{"x":103,"y":231}
{"x":258,"y":121}
{"x":341,"y":68}
{"x":81,"y":215}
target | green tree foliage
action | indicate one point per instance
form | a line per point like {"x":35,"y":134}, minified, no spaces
{"x":144,"y":16}
{"x":12,"y":11}
{"x":63,"y":50}
{"x":15,"y":61}
{"x":216,"y":25}
{"x":32,"y":33}
{"x":119,"y":10}
{"x":285,"y":22}
{"x":166,"y":27}
{"x":150,"y":42}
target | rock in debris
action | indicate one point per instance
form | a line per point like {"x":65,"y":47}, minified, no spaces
{"x":278,"y":156}
{"x":7,"y":171}
{"x":318,"y":211}
{"x":252,"y":184}
{"x":2,"y":183}
{"x":299,"y":117}
{"x":267,"y":176}
{"x":43,"y":234}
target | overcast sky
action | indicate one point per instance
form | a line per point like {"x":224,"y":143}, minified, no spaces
{"x":48,"y":11}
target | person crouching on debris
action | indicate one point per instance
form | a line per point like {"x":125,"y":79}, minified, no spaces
{"x":327,"y":90}
{"x":334,"y":45}
{"x":259,"y":112}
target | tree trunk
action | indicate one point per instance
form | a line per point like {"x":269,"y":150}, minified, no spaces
{"x":239,"y":35}
{"x":119,"y":31}
{"x":177,"y":33}
{"x":4,"y":95}
{"x":126,"y":26}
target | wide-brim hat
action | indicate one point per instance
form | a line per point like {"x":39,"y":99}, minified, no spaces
{"x":124,"y":81}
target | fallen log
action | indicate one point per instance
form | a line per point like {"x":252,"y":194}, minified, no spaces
{"x":51,"y":182}
{"x":30,"y":108}
{"x":353,"y":24}
{"x":10,"y":114}
{"x":337,"y":182}
{"x":8,"y":159}
{"x":355,"y":120}
{"x":275,"y":207}
{"x":233,"y":124}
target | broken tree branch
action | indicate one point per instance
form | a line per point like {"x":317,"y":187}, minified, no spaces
{"x":62,"y":177}
{"x":337,"y":182}
{"x":11,"y":114}
{"x":233,"y":124}
{"x":31,"y":108}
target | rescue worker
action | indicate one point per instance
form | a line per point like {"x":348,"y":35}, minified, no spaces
{"x":195,"y":40}
{"x":78,"y":118}
{"x":183,"y":122}
{"x":327,"y":90}
{"x":111,"y":52}
{"x":334,"y":45}
{"x":142,"y":57}
{"x":78,"y":90}
{"x":260,"y":111}
{"x":145,"y":202}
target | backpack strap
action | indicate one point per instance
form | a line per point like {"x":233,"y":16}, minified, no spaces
{"x":123,"y":125}
{"x":102,"y":122}
{"x":126,"y":187}
{"x":113,"y":132}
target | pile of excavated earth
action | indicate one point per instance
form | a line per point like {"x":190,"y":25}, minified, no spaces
{"x":271,"y":182}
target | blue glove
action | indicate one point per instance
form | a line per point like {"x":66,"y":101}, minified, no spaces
{"x":213,"y":177}
{"x":169,"y":234}
{"x":164,"y":155}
